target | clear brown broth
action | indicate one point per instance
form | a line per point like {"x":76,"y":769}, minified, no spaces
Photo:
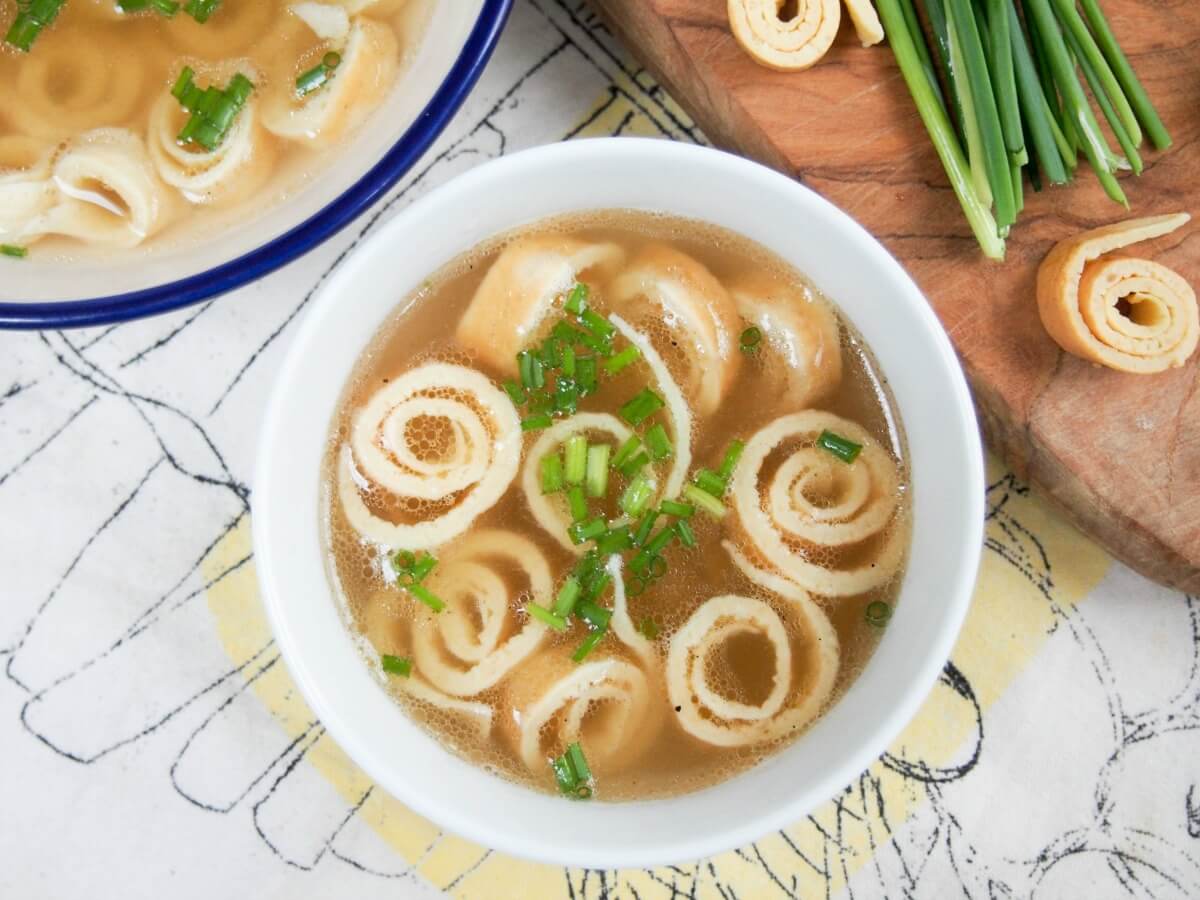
{"x":422,"y":329}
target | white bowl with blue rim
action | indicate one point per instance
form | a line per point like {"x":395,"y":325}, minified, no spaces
{"x":456,"y":47}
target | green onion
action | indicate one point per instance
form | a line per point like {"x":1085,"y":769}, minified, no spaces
{"x":1004,"y":79}
{"x":677,"y":509}
{"x":687,"y":537}
{"x":659,"y":542}
{"x":550,"y":353}
{"x":1079,"y":36}
{"x":396,"y":665}
{"x":626,"y":451}
{"x":585,"y":531}
{"x":426,"y":596}
{"x":598,"y":585}
{"x":843,"y":448}
{"x":658,"y":566}
{"x":212,"y":111}
{"x":750,"y":339}
{"x":568,"y":594}
{"x":403,"y":561}
{"x":730,"y":461}
{"x":568,"y":361}
{"x":878,"y":613}
{"x":576,"y":454}
{"x":638,"y":495}
{"x":536,"y":422}
{"x":704,"y":499}
{"x":564,"y":775}
{"x":596,"y":474}
{"x":572,"y":774}
{"x":631,"y":467}
{"x":626,"y":357}
{"x":1134,"y":92}
{"x":596,"y":616}
{"x":937,"y":123}
{"x":201,"y":10}
{"x":422,"y":567}
{"x":167,"y":7}
{"x":1038,"y":117}
{"x":552,"y":473}
{"x":585,"y":375}
{"x":588,"y":645}
{"x":14,"y":251}
{"x":645,"y":526}
{"x":635,"y":586}
{"x":540,"y":402}
{"x":31,"y":18}
{"x":576,"y":503}
{"x":578,"y":762}
{"x":577,"y":301}
{"x":658,"y":443}
{"x":649,"y":628}
{"x":599,"y":326}
{"x":543,"y":615}
{"x":709,"y":481}
{"x":614,"y":540}
{"x":644,"y":404}
{"x":515,"y":393}
{"x":525,"y":368}
{"x":1111,"y":114}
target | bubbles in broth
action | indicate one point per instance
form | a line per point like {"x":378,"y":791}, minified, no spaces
{"x":617,"y":505}
{"x":139,"y":123}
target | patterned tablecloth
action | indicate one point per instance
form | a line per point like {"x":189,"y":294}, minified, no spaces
{"x":153,"y":744}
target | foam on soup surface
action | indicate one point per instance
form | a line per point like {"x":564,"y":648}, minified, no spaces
{"x":617,"y":505}
{"x":124,"y":129}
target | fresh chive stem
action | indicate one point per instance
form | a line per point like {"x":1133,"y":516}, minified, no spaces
{"x":1034,"y":106}
{"x":1111,"y":115}
{"x":1085,"y":47}
{"x":1004,"y":76}
{"x":841,"y":447}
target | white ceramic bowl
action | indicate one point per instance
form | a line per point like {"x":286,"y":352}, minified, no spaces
{"x":844,"y":262}
{"x":96,"y":289}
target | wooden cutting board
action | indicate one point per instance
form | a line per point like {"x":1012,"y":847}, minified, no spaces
{"x":1119,"y":453}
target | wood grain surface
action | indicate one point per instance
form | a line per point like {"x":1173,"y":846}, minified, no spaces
{"x":1120,"y":454}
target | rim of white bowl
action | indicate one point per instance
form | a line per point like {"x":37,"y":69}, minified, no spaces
{"x":785,"y":806}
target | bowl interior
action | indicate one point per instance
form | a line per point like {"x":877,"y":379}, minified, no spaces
{"x":845,"y":263}
{"x":176,"y":258}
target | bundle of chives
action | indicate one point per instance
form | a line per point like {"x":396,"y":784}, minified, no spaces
{"x":212,"y":111}
{"x":1013,"y":79}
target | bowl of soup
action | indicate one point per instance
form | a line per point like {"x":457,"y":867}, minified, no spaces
{"x":154,"y":154}
{"x":626,"y":519}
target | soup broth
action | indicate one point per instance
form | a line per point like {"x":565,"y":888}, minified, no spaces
{"x":95,"y":146}
{"x":674,"y":662}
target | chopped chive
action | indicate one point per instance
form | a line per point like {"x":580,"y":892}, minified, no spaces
{"x":614,"y":540}
{"x":710,"y":481}
{"x":729,"y":463}
{"x":577,"y":301}
{"x":396,"y":665}
{"x":598,"y":585}
{"x":537,"y":371}
{"x":648,"y":628}
{"x":588,"y":645}
{"x":536,"y":422}
{"x":658,"y":567}
{"x":638,"y":495}
{"x":677,"y":509}
{"x":550,"y":353}
{"x":645,"y":526}
{"x":643,"y":405}
{"x":515,"y":393}
{"x":635,"y":585}
{"x":525,"y":368}
{"x":312,"y":80}
{"x":576,"y":503}
{"x":565,"y":333}
{"x":576,"y":455}
{"x":14,"y":251}
{"x":593,"y":343}
{"x":625,"y":358}
{"x":568,"y":361}
{"x":331,"y":60}
{"x":632,"y":466}
{"x":596,"y":476}
{"x":687,"y":537}
{"x":564,"y":775}
{"x":843,"y":448}
{"x":182,"y":83}
{"x":750,"y":339}
{"x":658,"y":443}
{"x":566,"y":395}
{"x":878,"y":613}
{"x":585,"y":531}
{"x":659,"y":542}
{"x":552,"y":473}
{"x":540,"y":402}
{"x":626,"y":451}
{"x":31,"y":18}
{"x":579,"y":763}
{"x":704,"y":500}
{"x":596,"y":616}
{"x":597,"y":324}
{"x":543,"y":615}
{"x":422,"y":567}
{"x":585,"y":375}
{"x":426,"y":596}
{"x":402,"y":562}
{"x":568,"y":594}
{"x":201,"y":10}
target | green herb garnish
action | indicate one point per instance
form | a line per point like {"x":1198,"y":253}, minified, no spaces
{"x":843,"y":448}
